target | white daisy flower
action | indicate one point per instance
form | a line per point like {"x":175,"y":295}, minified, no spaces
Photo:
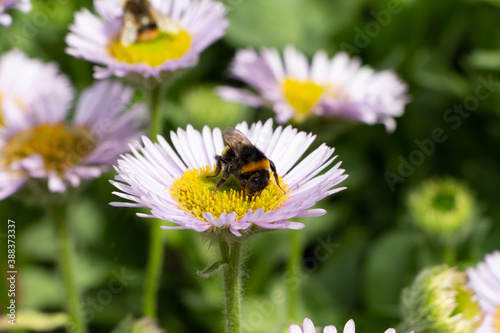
{"x":23,"y":81}
{"x":42,"y":144}
{"x":174,"y":184}
{"x":22,"y":5}
{"x":485,"y":281}
{"x":337,"y":87}
{"x":308,"y":327}
{"x":173,"y":37}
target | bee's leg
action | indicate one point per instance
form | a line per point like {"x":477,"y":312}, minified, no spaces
{"x":225,"y":176}
{"x":273,"y":169}
{"x":219,"y":159}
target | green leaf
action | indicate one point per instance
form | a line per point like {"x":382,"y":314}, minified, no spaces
{"x":388,"y":270}
{"x":211,"y":270}
{"x":41,"y":288}
{"x":485,"y":59}
{"x":308,"y":23}
{"x":34,"y":320}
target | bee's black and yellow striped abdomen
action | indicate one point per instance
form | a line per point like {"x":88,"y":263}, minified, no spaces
{"x":256,"y":166}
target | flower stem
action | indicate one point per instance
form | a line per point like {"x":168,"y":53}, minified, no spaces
{"x":155,"y":260}
{"x":231,"y":255}
{"x":154,"y":99}
{"x":450,"y":255}
{"x":293,"y":274}
{"x":66,"y":262}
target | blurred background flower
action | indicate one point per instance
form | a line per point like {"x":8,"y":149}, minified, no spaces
{"x":183,"y":29}
{"x":308,"y":327}
{"x":22,"y":5}
{"x":22,"y":86}
{"x":337,"y":87}
{"x":484,"y":280}
{"x":39,"y":143}
{"x":439,"y":300}
{"x":444,"y":210}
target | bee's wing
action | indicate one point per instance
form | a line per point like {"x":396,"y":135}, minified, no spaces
{"x":128,"y":33}
{"x":165,"y":23}
{"x":235,"y":139}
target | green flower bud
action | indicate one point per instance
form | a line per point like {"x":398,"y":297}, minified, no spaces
{"x":443,"y":209}
{"x":439,"y":301}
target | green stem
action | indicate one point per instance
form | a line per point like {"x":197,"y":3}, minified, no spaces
{"x":155,"y":111}
{"x":231,"y":255}
{"x":450,"y":255}
{"x":293,"y":274}
{"x":67,"y":261}
{"x":153,"y":271}
{"x":155,"y":260}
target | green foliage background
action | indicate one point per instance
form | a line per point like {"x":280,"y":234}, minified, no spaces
{"x":441,"y":48}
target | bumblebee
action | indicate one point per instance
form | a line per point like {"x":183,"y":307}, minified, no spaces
{"x":245,"y":161}
{"x":142,"y":23}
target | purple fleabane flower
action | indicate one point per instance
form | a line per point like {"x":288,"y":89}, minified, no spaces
{"x":40,"y":143}
{"x":184,"y":29}
{"x":23,"y":83}
{"x":22,"y":5}
{"x":174,"y":184}
{"x":484,"y":280}
{"x":338,"y":87}
{"x":308,"y":327}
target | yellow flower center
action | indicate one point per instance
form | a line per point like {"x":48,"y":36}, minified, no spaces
{"x":59,"y":146}
{"x":496,"y":321}
{"x":152,"y":52}
{"x":302,"y":96}
{"x":195,"y":194}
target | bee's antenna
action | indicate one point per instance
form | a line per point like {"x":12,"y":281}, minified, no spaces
{"x":273,"y":169}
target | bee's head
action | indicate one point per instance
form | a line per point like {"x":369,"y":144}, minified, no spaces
{"x":257,"y":182}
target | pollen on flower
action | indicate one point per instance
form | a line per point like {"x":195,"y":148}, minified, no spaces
{"x":152,"y":52}
{"x":302,"y":96}
{"x":59,"y":146}
{"x":194,"y":193}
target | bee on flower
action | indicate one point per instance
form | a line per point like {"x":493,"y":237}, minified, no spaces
{"x":145,"y":37}
{"x":174,"y":183}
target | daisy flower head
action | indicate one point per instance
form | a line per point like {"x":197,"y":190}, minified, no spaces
{"x":43,"y":144}
{"x":145,"y":37}
{"x":174,"y":185}
{"x":23,"y":81}
{"x":338,"y":87}
{"x":485,"y":281}
{"x":308,"y":327}
{"x":22,"y":5}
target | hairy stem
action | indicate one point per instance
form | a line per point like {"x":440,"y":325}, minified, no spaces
{"x":231,"y":255}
